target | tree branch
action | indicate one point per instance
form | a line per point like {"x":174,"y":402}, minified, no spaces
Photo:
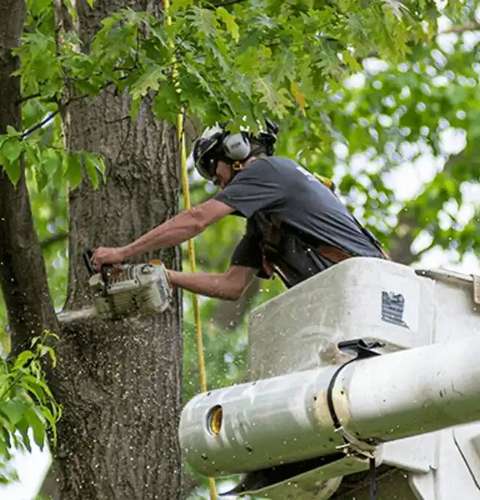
{"x":227,"y":3}
{"x":462,"y":29}
{"x":28,"y":97}
{"x":47,"y":119}
{"x":52,"y":115}
{"x":53,"y":239}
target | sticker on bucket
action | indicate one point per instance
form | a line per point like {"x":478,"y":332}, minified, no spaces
{"x":393,"y":305}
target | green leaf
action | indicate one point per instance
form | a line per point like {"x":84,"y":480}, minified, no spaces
{"x":12,"y":132}
{"x":23,"y":427}
{"x":23,"y":359}
{"x":51,"y":160}
{"x":351,"y":61}
{"x":4,"y":452}
{"x":181,"y":4}
{"x":73,"y":170}
{"x":230,"y":23}
{"x":90,"y":164}
{"x":14,"y":410}
{"x":204,"y":20}
{"x":37,"y":425}
{"x":275,"y":100}
{"x":149,"y":80}
{"x":52,"y":419}
{"x":13,"y":169}
{"x":298,"y":95}
{"x":166,"y":103}
{"x":11,"y":150}
{"x":35,"y":387}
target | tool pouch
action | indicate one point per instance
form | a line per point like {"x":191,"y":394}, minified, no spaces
{"x":285,"y":253}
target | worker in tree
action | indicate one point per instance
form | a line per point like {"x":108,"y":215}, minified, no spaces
{"x":296,"y":226}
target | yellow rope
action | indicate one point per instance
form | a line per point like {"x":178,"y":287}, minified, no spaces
{"x":191,"y":255}
{"x":191,"y":246}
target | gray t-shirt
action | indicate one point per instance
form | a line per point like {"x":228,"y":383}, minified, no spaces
{"x":280,"y":187}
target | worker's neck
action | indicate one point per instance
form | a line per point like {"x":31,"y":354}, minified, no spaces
{"x":247,"y":162}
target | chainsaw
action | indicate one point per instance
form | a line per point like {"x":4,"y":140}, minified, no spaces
{"x":124,"y":290}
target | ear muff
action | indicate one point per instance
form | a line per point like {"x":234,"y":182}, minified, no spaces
{"x":237,"y":146}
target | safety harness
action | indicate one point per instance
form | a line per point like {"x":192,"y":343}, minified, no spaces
{"x":292,"y":256}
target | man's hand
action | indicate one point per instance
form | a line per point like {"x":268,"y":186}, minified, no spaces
{"x":107,"y":255}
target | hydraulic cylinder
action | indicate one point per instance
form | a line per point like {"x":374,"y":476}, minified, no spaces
{"x":287,"y":419}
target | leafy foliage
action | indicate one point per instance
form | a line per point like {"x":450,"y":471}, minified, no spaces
{"x":27,"y":406}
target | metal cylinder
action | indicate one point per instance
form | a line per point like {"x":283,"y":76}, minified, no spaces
{"x":286,"y":419}
{"x":410,"y":392}
{"x":251,"y":426}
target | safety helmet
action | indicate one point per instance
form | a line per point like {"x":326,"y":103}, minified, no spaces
{"x":206,"y":150}
{"x":217,"y":143}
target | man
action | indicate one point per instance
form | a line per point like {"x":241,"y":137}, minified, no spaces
{"x":296,"y":226}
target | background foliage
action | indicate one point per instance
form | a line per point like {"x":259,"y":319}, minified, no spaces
{"x":27,"y":407}
{"x":370,"y":93}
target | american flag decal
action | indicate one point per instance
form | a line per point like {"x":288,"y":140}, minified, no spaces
{"x":392,"y":308}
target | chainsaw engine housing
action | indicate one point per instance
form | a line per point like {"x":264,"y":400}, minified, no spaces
{"x":131,"y":289}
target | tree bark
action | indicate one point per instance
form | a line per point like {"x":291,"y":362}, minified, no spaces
{"x":22,"y":271}
{"x":119,"y":381}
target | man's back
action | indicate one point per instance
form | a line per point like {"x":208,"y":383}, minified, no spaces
{"x":281,"y":188}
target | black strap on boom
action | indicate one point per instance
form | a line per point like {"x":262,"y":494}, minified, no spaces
{"x":363,"y":349}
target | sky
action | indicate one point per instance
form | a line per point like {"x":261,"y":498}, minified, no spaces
{"x":31,"y":469}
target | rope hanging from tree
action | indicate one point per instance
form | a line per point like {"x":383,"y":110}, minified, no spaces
{"x":191,"y":246}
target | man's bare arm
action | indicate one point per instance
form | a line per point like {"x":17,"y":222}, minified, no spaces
{"x":180,"y":228}
{"x":174,"y":231}
{"x":229,"y":285}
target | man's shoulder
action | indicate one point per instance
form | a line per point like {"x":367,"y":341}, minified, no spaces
{"x":274,"y":161}
{"x":268,"y":165}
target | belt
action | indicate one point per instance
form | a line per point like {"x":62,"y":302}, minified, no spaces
{"x":333,"y":254}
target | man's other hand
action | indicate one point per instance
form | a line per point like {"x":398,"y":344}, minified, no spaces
{"x":107,"y":255}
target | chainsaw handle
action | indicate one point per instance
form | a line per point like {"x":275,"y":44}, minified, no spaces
{"x":87,"y":259}
{"x":106,"y":270}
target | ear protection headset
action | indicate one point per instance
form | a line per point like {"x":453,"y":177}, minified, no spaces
{"x":237,"y":146}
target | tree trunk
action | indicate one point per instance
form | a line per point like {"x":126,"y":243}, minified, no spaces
{"x":22,"y":272}
{"x":119,"y":381}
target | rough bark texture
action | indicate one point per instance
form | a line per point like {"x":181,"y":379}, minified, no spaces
{"x":119,"y":381}
{"x":22,"y":271}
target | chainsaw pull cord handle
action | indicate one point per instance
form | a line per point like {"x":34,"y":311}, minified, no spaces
{"x":191,"y":248}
